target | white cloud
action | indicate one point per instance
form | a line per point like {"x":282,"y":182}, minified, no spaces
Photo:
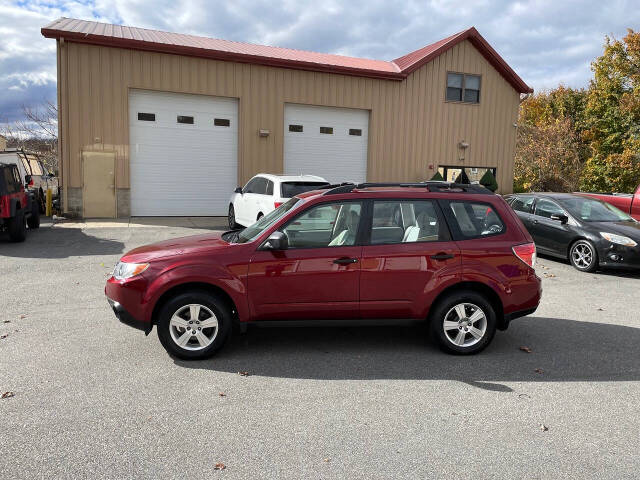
{"x":546,"y":41}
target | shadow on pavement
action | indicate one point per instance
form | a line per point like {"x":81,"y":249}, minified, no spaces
{"x":562,"y":350}
{"x":59,"y":243}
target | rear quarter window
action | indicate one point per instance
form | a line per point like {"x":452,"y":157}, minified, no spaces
{"x":291,"y":189}
{"x":470,"y":219}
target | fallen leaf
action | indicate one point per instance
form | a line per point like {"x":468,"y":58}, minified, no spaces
{"x":4,"y":335}
{"x":327,"y":459}
{"x":219,"y":466}
{"x":601,"y":309}
{"x":102,"y":264}
{"x":222,"y":394}
{"x":6,"y":321}
{"x":526,"y":349}
{"x":8,"y":395}
{"x":548,"y":275}
{"x":539,"y":370}
{"x":543,"y":427}
{"x":523,"y":395}
{"x":22,"y":316}
{"x":243,"y":374}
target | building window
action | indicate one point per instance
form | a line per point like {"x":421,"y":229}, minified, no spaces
{"x":146,"y":117}
{"x":185,"y":119}
{"x":326,"y":130}
{"x":462,"y":87}
{"x":295,"y":128}
{"x":222,"y":122}
{"x":355,"y":131}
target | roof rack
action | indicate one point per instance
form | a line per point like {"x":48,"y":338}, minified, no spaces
{"x":431,"y":186}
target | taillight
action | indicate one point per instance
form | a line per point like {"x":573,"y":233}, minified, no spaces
{"x":526,"y":252}
{"x":30,"y":183}
{"x":277,"y":204}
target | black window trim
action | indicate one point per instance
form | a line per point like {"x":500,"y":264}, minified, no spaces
{"x":464,"y":75}
{"x":359,"y":130}
{"x":226,"y":122}
{"x":326,"y":133}
{"x":146,"y":119}
{"x":295,"y":129}
{"x":192,"y":122}
{"x":443,"y":224}
{"x":357,"y":243}
{"x":457,"y":234}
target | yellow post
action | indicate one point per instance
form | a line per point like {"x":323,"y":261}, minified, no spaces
{"x":48,"y":204}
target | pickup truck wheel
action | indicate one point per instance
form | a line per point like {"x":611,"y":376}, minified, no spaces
{"x":583,"y":256}
{"x":17,"y":227}
{"x":194,"y":325}
{"x":34,"y":220}
{"x":463,"y":322}
{"x":232,"y":218}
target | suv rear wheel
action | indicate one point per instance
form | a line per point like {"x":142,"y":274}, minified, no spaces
{"x":194,"y":325}
{"x":463,"y":322}
{"x":232,"y":218}
{"x":17,"y":227}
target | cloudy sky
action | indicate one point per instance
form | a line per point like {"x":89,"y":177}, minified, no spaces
{"x":546,"y":42}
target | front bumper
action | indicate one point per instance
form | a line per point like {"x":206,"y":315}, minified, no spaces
{"x":128,"y":319}
{"x":618,"y":256}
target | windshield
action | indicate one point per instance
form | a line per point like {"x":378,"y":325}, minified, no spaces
{"x":291,"y":189}
{"x":254,"y":231}
{"x":591,"y":210}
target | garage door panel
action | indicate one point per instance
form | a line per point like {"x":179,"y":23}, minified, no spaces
{"x":338,"y":156}
{"x":182,"y":169}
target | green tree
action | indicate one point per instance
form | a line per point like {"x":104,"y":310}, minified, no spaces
{"x":488,"y":180}
{"x":613,"y":117}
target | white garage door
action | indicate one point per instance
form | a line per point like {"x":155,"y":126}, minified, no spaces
{"x":184,"y":153}
{"x":326,"y":141}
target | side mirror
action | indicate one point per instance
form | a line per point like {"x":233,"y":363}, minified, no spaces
{"x":238,"y":190}
{"x":561,"y":218}
{"x":276,"y":241}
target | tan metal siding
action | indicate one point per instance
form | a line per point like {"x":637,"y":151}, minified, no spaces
{"x":411,"y":125}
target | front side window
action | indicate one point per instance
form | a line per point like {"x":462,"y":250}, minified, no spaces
{"x":545,"y":208}
{"x":326,"y":225}
{"x":463,"y":87}
{"x":474,"y":220}
{"x":254,"y":231}
{"x":406,"y":222}
{"x":256,"y":185}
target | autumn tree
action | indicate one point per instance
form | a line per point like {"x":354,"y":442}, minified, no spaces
{"x":613,"y":117}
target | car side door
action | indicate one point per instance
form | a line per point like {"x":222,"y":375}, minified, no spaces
{"x":407,"y":255}
{"x":318,"y":275}
{"x":551,"y":235}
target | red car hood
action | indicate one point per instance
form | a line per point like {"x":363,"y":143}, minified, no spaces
{"x":175,"y":246}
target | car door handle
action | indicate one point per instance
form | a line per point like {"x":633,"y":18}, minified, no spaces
{"x":442,"y":256}
{"x":345,"y":260}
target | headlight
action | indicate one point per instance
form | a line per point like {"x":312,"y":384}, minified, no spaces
{"x":124,"y":270}
{"x":618,"y":239}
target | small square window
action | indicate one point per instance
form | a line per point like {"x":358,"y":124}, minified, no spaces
{"x":222,"y":122}
{"x":146,"y":117}
{"x":355,"y":131}
{"x":326,"y":130}
{"x":295,"y":128}
{"x":185,"y":119}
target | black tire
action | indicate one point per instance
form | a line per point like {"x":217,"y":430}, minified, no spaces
{"x":583,"y":256}
{"x":34,"y":220}
{"x":260,"y":215}
{"x":445,"y":310}
{"x":17,"y":227}
{"x":216,"y":305}
{"x":231,"y":217}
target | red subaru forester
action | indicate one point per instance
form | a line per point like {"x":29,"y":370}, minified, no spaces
{"x":453,"y":255}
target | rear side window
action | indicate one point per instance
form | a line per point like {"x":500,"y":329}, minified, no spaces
{"x":11,"y":179}
{"x":257,"y":185}
{"x":522,"y":204}
{"x":291,"y":189}
{"x":473,"y":219}
{"x":406,"y":222}
{"x":269,"y":187}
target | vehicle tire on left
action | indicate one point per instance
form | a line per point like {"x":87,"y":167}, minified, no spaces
{"x":194,"y":325}
{"x":17,"y":227}
{"x":34,"y":220}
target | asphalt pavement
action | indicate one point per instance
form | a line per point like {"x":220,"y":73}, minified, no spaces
{"x":93,"y":398}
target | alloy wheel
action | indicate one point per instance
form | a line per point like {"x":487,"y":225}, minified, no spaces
{"x":582,"y":255}
{"x":465,"y":324}
{"x":193,"y":327}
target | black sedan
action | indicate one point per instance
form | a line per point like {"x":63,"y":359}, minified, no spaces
{"x":589,"y":232}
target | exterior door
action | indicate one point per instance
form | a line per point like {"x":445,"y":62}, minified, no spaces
{"x":409,"y":250}
{"x":98,"y":184}
{"x":550,"y":235}
{"x":318,"y":276}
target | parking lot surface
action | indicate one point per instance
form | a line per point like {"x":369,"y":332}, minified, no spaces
{"x":96,"y":399}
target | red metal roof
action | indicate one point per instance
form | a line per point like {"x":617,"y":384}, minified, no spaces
{"x":177,"y":43}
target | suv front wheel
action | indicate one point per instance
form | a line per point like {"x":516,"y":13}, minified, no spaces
{"x":463,"y":322}
{"x":194,"y":325}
